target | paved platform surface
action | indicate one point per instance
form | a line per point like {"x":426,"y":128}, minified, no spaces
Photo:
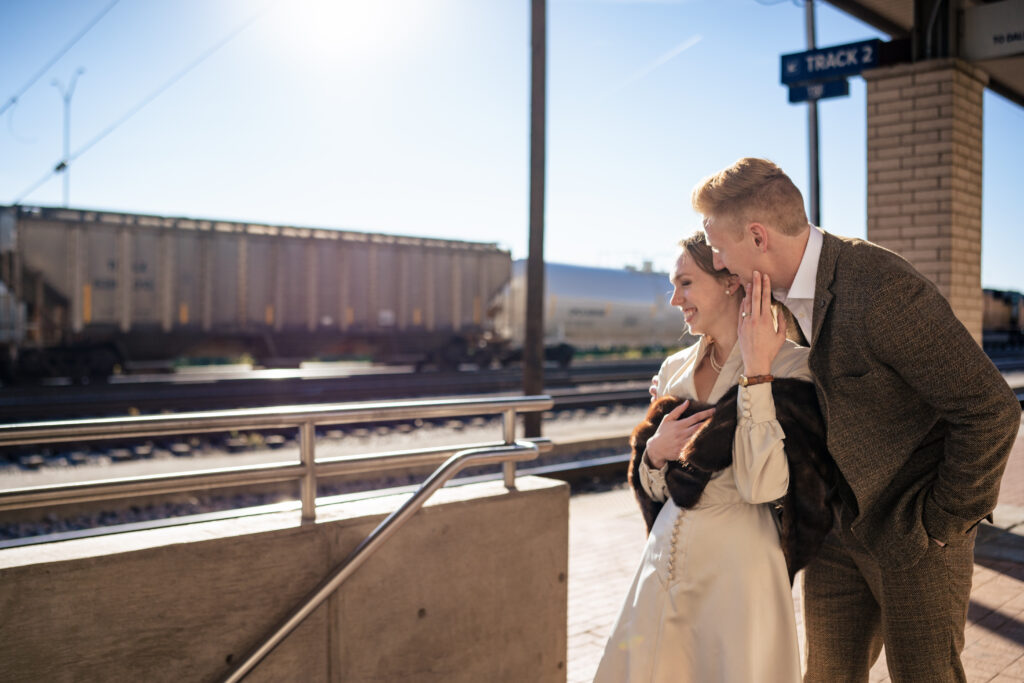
{"x":606,"y":536}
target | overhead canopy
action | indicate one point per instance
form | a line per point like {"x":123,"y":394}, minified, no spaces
{"x":947,"y":36}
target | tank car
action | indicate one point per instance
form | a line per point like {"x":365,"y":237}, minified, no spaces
{"x":101,"y":289}
{"x":589,"y":309}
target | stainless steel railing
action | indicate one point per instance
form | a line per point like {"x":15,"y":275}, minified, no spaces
{"x":307,"y":471}
{"x":303,"y":417}
{"x":508,"y":453}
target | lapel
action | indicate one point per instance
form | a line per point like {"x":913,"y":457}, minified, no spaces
{"x":830,"y":247}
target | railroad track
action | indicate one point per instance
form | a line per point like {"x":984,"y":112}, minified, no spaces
{"x":587,"y":464}
{"x":594,"y":399}
{"x":219,"y":390}
{"x":212,"y":392}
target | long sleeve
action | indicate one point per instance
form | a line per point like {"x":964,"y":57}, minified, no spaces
{"x":913,"y":331}
{"x":653,"y":481}
{"x":759,"y":459}
{"x":758,"y":456}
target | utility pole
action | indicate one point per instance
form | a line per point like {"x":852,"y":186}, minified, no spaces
{"x":533,"y":345}
{"x":62,"y":167}
{"x":812,"y":125}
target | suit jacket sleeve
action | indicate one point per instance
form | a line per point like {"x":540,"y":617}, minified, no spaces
{"x":912,"y":329}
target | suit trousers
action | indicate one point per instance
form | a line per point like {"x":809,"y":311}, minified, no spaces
{"x":852,"y":606}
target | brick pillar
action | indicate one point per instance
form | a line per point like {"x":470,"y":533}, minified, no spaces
{"x":924,"y":174}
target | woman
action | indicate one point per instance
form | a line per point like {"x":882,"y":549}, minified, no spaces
{"x":711,"y":599}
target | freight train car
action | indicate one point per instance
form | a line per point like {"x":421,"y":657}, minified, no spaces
{"x":101,"y":289}
{"x":1002,"y":320}
{"x":594,"y":310}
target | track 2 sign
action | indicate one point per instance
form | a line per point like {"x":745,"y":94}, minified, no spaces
{"x":829,"y":63}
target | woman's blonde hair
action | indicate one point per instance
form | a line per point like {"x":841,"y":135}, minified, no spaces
{"x":752,"y":190}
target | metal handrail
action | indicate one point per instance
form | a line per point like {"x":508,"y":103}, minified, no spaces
{"x":303,"y":417}
{"x":272,"y":417}
{"x":506,"y":453}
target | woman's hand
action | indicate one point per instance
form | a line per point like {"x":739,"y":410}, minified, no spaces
{"x":653,"y":389}
{"x":759,"y":340}
{"x":673,"y":433}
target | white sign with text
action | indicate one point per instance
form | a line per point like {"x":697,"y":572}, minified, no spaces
{"x":994,"y":30}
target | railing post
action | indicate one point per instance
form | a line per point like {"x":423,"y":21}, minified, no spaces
{"x":508,"y":468}
{"x":307,"y":455}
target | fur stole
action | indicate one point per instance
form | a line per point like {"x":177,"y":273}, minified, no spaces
{"x":806,"y":509}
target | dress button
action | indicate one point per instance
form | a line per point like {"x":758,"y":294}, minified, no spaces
{"x":746,"y":413}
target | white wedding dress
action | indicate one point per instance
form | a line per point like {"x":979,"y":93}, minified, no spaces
{"x":711,"y":599}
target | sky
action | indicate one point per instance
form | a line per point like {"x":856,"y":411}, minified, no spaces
{"x":412,"y":117}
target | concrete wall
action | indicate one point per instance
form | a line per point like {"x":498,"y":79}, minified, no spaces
{"x":472,"y":589}
{"x":924,"y":174}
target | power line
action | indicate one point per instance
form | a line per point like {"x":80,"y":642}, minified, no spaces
{"x":46,"y":67}
{"x":64,"y":163}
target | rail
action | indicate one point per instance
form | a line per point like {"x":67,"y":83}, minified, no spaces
{"x":305,"y":418}
{"x":506,"y":453}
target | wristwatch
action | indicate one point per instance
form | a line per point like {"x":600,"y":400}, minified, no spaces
{"x":756,"y":379}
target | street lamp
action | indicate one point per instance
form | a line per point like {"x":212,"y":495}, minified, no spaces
{"x":66,"y":95}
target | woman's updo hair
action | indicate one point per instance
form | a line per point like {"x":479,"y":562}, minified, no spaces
{"x":696,"y":246}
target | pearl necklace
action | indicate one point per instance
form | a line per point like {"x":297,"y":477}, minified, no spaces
{"x":711,"y":356}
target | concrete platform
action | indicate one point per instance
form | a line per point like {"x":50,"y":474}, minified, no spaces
{"x":606,"y":536}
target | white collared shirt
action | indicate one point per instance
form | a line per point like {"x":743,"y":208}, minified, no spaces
{"x":799,"y":299}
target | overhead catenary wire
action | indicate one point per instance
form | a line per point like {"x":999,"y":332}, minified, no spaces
{"x":53,"y":60}
{"x":64,"y":163}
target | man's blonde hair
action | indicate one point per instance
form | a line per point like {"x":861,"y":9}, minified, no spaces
{"x":752,"y":190}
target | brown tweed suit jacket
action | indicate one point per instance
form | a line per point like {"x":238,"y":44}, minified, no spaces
{"x":919,"y":421}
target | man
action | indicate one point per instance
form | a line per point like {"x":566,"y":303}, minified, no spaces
{"x":919,"y":421}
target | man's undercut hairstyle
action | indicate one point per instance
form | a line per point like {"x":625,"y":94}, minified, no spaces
{"x":752,"y":190}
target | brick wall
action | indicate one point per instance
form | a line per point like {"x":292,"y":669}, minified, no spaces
{"x":924,"y":174}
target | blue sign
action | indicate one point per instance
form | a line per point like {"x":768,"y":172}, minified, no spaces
{"x":819,"y":91}
{"x":829,"y":63}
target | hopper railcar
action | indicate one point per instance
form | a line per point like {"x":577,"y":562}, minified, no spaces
{"x":85,"y":291}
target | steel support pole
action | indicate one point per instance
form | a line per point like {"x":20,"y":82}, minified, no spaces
{"x":307,"y":454}
{"x":812,"y":128}
{"x":533,"y":346}
{"x":508,"y":469}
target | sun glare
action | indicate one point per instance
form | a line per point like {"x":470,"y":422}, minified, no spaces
{"x":339,"y":30}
